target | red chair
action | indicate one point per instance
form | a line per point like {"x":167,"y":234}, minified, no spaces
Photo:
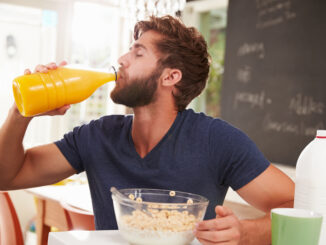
{"x":78,"y":219}
{"x":10,"y":231}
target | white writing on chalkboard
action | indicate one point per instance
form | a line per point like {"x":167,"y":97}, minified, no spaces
{"x":273,"y":12}
{"x":244,"y":74}
{"x":275,"y":64}
{"x":252,"y":48}
{"x":305,"y":105}
{"x":255,"y":100}
{"x":285,"y":127}
{"x":300,"y":128}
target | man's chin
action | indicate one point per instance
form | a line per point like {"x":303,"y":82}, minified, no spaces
{"x":134,"y":104}
{"x":117,"y":100}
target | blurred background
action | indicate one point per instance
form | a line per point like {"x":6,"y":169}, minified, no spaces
{"x":93,"y":33}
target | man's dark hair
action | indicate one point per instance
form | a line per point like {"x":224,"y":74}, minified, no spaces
{"x":183,"y":48}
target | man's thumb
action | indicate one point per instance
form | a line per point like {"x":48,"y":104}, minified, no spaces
{"x":222,"y":211}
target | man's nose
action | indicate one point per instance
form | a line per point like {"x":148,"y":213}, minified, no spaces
{"x":123,"y":60}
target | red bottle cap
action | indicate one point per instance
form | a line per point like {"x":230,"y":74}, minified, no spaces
{"x":321,"y":134}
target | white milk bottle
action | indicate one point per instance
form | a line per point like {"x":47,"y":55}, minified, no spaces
{"x":310,"y":181}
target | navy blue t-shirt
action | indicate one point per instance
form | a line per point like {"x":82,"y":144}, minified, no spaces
{"x":198,"y":154}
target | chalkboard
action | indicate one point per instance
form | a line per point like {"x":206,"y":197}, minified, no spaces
{"x":274,"y":85}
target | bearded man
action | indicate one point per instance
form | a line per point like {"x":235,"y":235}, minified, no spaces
{"x":162,"y":145}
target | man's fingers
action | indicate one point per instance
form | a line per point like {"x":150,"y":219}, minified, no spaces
{"x":224,"y":229}
{"x":217,"y":236}
{"x":215,"y":224}
{"x":63,"y":63}
{"x":27,"y":72}
{"x":52,"y":65}
{"x":41,"y":68}
{"x":205,"y":242}
{"x":59,"y":111}
{"x":222,"y":211}
{"x":62,"y":110}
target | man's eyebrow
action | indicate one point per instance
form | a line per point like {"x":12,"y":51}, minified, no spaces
{"x":138,"y":45}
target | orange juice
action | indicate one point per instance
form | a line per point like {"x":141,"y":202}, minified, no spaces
{"x":41,"y":92}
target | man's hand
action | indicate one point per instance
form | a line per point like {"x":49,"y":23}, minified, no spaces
{"x":44,"y":69}
{"x":224,"y":229}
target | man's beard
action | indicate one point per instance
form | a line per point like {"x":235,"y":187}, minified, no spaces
{"x":138,"y":92}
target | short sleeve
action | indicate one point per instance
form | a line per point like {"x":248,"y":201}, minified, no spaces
{"x":71,"y":146}
{"x":238,"y":159}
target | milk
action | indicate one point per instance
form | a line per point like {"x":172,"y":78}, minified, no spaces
{"x":310,"y":182}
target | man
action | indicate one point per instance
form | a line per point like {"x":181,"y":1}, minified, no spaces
{"x":162,"y":145}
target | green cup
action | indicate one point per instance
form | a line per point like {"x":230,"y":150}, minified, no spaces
{"x":295,"y":226}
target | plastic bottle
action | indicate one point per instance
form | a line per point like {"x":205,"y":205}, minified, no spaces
{"x":310,"y":182}
{"x":41,"y":92}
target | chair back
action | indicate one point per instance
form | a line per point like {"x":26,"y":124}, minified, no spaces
{"x":10,"y":231}
{"x":78,"y":219}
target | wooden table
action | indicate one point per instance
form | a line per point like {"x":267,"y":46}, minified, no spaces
{"x":106,"y":237}
{"x":49,"y":210}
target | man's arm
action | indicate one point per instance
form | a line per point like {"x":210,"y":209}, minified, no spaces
{"x":37,"y":166}
{"x":269,"y":190}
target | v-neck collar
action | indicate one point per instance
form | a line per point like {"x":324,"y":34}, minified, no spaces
{"x":157,"y":146}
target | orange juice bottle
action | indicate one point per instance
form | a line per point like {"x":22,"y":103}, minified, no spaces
{"x":41,"y":92}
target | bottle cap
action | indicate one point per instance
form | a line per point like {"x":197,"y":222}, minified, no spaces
{"x":115,"y":72}
{"x":321,"y":134}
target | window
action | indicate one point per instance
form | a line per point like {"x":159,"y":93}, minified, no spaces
{"x":95,"y":44}
{"x":209,"y":17}
{"x":27,"y":37}
{"x":213,"y":27}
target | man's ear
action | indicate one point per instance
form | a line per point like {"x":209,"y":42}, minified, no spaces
{"x":171,"y":76}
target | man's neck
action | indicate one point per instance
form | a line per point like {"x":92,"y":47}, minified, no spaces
{"x":150,"y":126}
